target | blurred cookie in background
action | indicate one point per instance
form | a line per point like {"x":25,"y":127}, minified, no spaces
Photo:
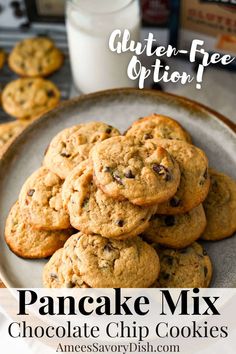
{"x":35,"y":57}
{"x":8,"y":132}
{"x":26,"y":98}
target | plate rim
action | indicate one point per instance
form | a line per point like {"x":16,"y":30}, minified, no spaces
{"x":185,"y":102}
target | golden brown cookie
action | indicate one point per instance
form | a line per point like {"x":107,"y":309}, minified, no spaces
{"x":51,"y":271}
{"x":72,"y":145}
{"x":93,"y":212}
{"x":27,"y":242}
{"x":41,"y":202}
{"x":35,"y":57}
{"x":8,"y":132}
{"x":190,"y":267}
{"x":2,"y":58}
{"x":176,"y":231}
{"x":194,"y":181}
{"x":104,"y":263}
{"x":26,"y":98}
{"x":156,"y":126}
{"x":69,"y":273}
{"x":220,"y":207}
{"x":143,"y":173}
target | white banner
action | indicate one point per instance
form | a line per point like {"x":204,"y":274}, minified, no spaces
{"x":188,"y":321}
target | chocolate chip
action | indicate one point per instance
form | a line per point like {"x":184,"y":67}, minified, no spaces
{"x":162,"y":171}
{"x":206,"y":174}
{"x":65,"y":154}
{"x":108,"y":248}
{"x":129,"y":174}
{"x":120,"y":223}
{"x":148,"y":136}
{"x":166,"y":276}
{"x":50,"y":93}
{"x":30,"y":192}
{"x":108,"y":130}
{"x":174,"y":202}
{"x":169,"y":260}
{"x":205,"y":271}
{"x":70,"y":284}
{"x":117,"y":178}
{"x":107,"y":169}
{"x":169,"y":220}
{"x":53,"y":275}
{"x":154,"y":217}
{"x":85,"y":202}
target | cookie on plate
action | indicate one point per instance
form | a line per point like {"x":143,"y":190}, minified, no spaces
{"x":69,"y":274}
{"x":2,"y":58}
{"x":194,"y":181}
{"x":27,"y":242}
{"x":51,"y":271}
{"x":93,"y":212}
{"x":28,"y":98}
{"x":35,"y":57}
{"x":220,"y":207}
{"x":109,"y":263}
{"x":41,"y":202}
{"x":158,"y":126}
{"x":190,"y":267}
{"x":145,"y":174}
{"x":72,"y":146}
{"x":8,"y":132}
{"x":176,"y":231}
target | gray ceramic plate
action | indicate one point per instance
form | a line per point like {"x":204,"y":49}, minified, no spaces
{"x":210,"y":131}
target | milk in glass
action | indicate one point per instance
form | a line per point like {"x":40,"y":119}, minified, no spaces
{"x":89,"y":25}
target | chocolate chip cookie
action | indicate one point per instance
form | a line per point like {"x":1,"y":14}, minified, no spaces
{"x":41,"y":202}
{"x":93,"y":212}
{"x":27,"y":242}
{"x":158,"y":126}
{"x":109,"y":263}
{"x":220,"y":207}
{"x":35,"y":57}
{"x":69,"y":273}
{"x":176,"y":231}
{"x":28,"y":98}
{"x":145,"y":174}
{"x":8,"y":132}
{"x":190,"y":267}
{"x":72,"y":145}
{"x":51,"y":271}
{"x":194,"y":181}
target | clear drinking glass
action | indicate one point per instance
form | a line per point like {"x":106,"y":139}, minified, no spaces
{"x":89,"y":25}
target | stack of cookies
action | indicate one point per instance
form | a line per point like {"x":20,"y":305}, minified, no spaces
{"x":28,"y":97}
{"x":136,"y":200}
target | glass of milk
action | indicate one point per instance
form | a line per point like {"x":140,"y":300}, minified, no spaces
{"x":89,"y":25}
